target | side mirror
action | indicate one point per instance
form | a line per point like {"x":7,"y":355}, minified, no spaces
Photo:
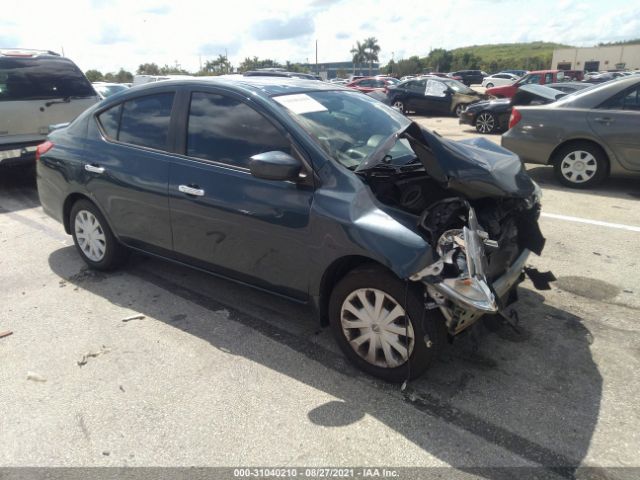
{"x":275,"y":165}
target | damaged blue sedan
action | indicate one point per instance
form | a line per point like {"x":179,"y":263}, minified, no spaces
{"x":397,"y":237}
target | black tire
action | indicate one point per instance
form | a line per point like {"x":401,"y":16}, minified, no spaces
{"x":591,"y":165}
{"x":399,"y":104}
{"x":486,"y":122}
{"x":489,"y":85}
{"x":429,"y":331}
{"x":113,"y":254}
{"x":459,"y":108}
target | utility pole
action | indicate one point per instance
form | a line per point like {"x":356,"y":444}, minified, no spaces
{"x":317,"y":71}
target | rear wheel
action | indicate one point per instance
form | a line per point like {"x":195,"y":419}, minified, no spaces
{"x":93,"y":238}
{"x":486,"y":122}
{"x":581,"y":165}
{"x":379,"y":322}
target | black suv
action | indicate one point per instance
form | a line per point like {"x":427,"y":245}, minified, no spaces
{"x":470,"y":77}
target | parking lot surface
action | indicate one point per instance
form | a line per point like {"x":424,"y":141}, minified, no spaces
{"x":216,"y":374}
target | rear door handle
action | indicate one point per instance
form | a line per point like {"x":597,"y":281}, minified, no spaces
{"x":605,"y":120}
{"x":94,"y":168}
{"x":198,"y":192}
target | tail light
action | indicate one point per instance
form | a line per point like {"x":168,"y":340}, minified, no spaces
{"x":514,"y":118}
{"x":43,"y":148}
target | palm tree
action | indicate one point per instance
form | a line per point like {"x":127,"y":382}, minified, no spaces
{"x":359,"y":53}
{"x":372,"y":49}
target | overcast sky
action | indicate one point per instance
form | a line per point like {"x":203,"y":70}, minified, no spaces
{"x":108,"y":34}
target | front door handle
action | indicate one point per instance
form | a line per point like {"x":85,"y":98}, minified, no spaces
{"x":605,"y":120}
{"x":198,"y":192}
{"x":94,"y":168}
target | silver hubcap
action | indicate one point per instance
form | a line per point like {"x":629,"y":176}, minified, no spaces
{"x":459,"y":109}
{"x":485,"y":123}
{"x":90,"y":236}
{"x":399,"y":106}
{"x":578,"y":166}
{"x":377,"y":328}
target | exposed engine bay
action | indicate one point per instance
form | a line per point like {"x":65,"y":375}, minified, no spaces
{"x":482,"y":242}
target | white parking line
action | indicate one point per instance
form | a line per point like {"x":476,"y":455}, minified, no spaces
{"x":591,"y":222}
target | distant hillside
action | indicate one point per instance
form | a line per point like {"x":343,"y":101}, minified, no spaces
{"x":491,"y":58}
{"x":527,"y":56}
{"x":634,"y":41}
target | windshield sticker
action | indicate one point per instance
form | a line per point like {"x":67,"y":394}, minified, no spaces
{"x":300,"y":103}
{"x":435,"y":89}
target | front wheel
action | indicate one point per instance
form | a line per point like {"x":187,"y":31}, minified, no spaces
{"x":380,"y":322}
{"x":400,"y":106}
{"x":489,"y":85}
{"x":486,"y":122}
{"x":461,"y":107}
{"x":93,"y":238}
{"x":580,"y":165}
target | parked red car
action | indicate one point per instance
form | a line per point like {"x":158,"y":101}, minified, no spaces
{"x":372,"y":84}
{"x":538,"y":77}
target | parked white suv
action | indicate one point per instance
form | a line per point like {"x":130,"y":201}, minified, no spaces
{"x":37,"y":89}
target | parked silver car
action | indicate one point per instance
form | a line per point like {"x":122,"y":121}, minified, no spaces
{"x":586,"y":136}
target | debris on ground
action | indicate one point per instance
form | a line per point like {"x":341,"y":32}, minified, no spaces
{"x":137,"y":316}
{"x":6,"y":333}
{"x":85,"y":358}
{"x":36,"y":377}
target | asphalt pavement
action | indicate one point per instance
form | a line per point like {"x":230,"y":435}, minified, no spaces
{"x":216,"y":374}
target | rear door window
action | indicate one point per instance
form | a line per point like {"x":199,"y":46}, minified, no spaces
{"x":143,"y":121}
{"x":229,"y":131}
{"x":41,"y":78}
{"x":628,"y":100}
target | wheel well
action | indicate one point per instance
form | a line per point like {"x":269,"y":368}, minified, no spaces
{"x":332,"y":275}
{"x":552,"y":157}
{"x":68,"y":205}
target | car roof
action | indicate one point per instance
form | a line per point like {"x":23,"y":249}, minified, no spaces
{"x":595,"y":95}
{"x":26,"y":53}
{"x":266,"y":86}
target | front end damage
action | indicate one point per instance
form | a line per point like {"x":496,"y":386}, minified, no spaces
{"x":478,"y":210}
{"x":460,"y":283}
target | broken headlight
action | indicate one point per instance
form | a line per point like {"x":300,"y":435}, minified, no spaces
{"x":461,"y":267}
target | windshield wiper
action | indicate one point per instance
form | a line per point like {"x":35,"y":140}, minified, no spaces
{"x":52,"y":102}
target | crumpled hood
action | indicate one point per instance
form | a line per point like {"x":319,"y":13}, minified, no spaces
{"x":475,"y":167}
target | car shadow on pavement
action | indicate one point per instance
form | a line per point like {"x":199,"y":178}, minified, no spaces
{"x":626,"y":188}
{"x":18,"y":188}
{"x":525,"y":397}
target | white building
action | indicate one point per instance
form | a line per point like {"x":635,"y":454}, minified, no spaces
{"x":617,"y":57}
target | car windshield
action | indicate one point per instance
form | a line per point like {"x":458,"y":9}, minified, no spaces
{"x":457,"y":86}
{"x":352,"y":128}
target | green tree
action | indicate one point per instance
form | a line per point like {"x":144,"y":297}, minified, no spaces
{"x":254,"y":63}
{"x":94,"y":75}
{"x":123,"y":76}
{"x":372,"y":49}
{"x":171,"y":70}
{"x":439,"y":60}
{"x":410,"y":66}
{"x":359,"y":55}
{"x":218,"y":66}
{"x":148,"y":69}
